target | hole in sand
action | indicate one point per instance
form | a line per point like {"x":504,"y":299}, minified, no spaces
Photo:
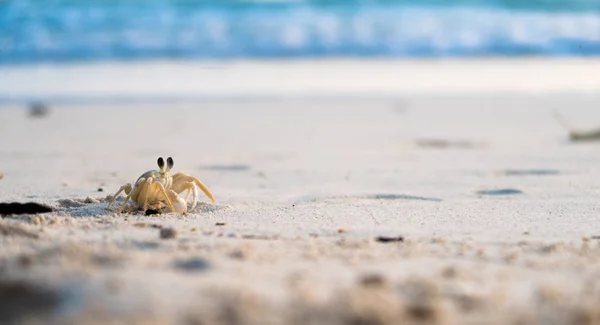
{"x":402,"y":197}
{"x":504,"y":191}
{"x":531,"y":172}
{"x":23,"y":208}
{"x":446,"y":144}
{"x":227,"y":168}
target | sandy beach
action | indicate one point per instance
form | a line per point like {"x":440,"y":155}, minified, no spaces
{"x":412,"y":193}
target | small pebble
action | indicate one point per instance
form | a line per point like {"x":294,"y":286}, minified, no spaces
{"x":341,"y":231}
{"x":1,"y":176}
{"x":168,"y":233}
{"x":193,"y":264}
{"x":100,"y":189}
{"x":258,"y":237}
{"x":89,"y":200}
{"x":219,"y":224}
{"x":25,"y":261}
{"x":373,"y":280}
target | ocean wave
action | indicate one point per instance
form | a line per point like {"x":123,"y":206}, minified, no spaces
{"x":69,"y":30}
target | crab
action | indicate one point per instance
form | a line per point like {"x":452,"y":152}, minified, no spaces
{"x":158,"y":189}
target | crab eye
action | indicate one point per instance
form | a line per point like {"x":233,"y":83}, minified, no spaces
{"x":161,"y":162}
{"x":170,"y":163}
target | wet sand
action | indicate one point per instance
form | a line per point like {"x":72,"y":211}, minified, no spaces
{"x":438,"y":209}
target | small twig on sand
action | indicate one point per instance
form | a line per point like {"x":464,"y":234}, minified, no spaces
{"x":576,"y":135}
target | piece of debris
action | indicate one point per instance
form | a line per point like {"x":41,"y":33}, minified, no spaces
{"x":38,"y":109}
{"x":100,"y":189}
{"x":578,"y":135}
{"x":1,"y":176}
{"x":341,"y":230}
{"x":383,"y":239}
{"x":23,"y":208}
{"x":591,"y":135}
{"x":168,"y":233}
{"x":219,"y":224}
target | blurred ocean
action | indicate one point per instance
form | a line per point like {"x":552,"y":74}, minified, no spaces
{"x":77,"y":30}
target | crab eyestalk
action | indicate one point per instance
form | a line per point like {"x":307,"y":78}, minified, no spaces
{"x":170,"y":163}
{"x":161,"y":163}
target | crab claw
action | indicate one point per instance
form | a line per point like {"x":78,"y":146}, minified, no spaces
{"x":178,"y":202}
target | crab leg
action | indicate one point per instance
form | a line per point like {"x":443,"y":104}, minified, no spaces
{"x":135,"y":193}
{"x":180,"y":179}
{"x":144,"y":192}
{"x":126,"y":188}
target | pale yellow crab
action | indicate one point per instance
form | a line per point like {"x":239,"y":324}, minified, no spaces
{"x":158,"y":189}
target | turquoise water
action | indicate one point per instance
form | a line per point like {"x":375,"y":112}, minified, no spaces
{"x":43,"y":30}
